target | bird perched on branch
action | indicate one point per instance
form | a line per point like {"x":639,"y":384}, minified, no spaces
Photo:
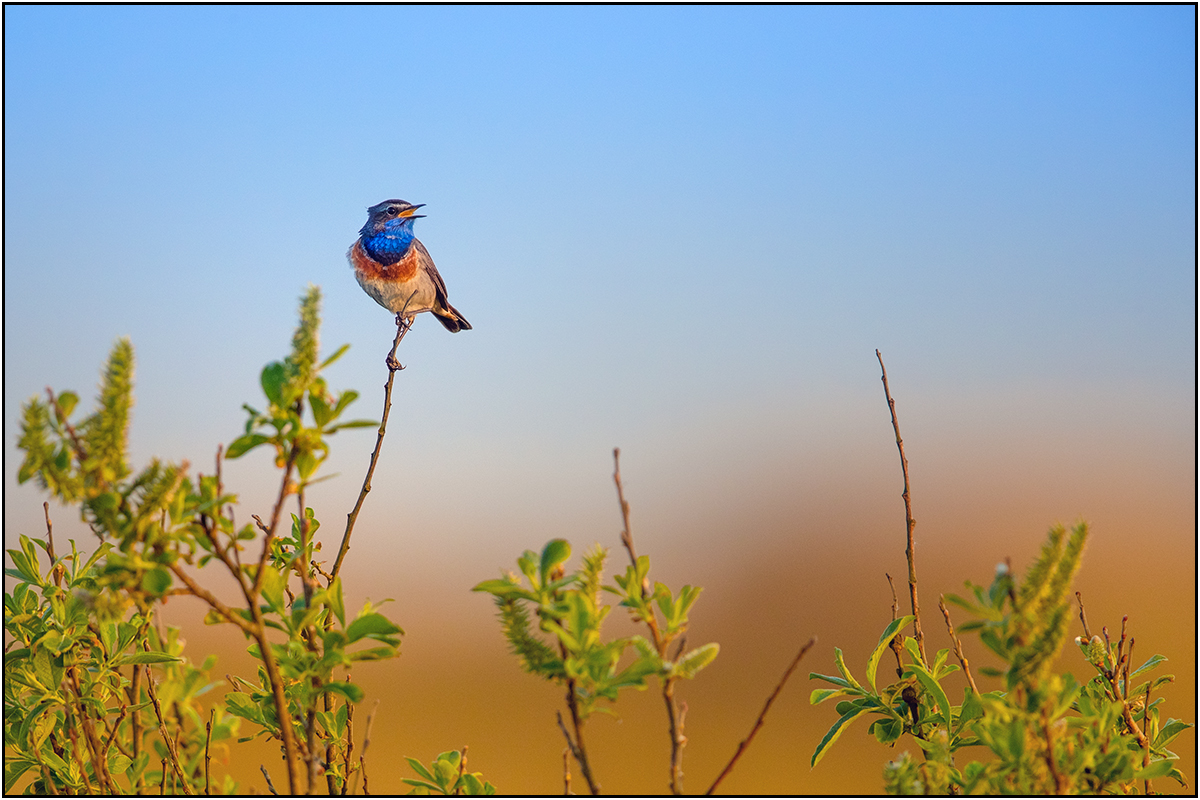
{"x":394,"y":267}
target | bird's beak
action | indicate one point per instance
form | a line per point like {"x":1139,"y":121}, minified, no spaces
{"x":409,"y":212}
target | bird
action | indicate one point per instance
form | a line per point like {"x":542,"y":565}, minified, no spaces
{"x":394,"y":268}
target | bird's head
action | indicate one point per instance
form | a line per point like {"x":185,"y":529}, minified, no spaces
{"x":390,"y":215}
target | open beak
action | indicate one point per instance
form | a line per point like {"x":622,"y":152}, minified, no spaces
{"x":408,"y":212}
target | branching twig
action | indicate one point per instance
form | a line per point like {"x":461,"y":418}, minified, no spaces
{"x":172,"y":753}
{"x":267,"y":775}
{"x":577,"y":746}
{"x":894,"y":645}
{"x":958,"y":651}
{"x":758,"y":723}
{"x":674,"y":720}
{"x":362,"y":758}
{"x":208,"y":726}
{"x":1083,"y":617}
{"x":911,"y":523}
{"x":462,"y":767}
{"x":402,"y":328}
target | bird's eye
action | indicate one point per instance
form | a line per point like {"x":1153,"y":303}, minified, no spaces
{"x":392,"y":210}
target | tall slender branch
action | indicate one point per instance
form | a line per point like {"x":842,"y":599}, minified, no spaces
{"x":674,"y":718}
{"x":394,"y":366}
{"x":911,"y":523}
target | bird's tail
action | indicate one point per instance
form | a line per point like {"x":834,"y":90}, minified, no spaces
{"x":449,"y":317}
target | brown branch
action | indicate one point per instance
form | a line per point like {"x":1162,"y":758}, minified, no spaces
{"x":208,"y":726}
{"x":225,"y":611}
{"x":1061,"y":784}
{"x":462,"y":767}
{"x":1087,"y":634}
{"x":267,"y":775}
{"x":394,"y":366}
{"x":762,"y":715}
{"x":577,"y":747}
{"x":661,"y":642}
{"x":1146,"y":726}
{"x":578,"y":753}
{"x":135,"y":697}
{"x":962,"y":659}
{"x":99,"y":762}
{"x":894,"y":645}
{"x":362,"y":759}
{"x":172,"y":752}
{"x":269,"y":530}
{"x":910,"y":522}
{"x":566,"y":771}
{"x":75,"y":748}
{"x":349,"y":743}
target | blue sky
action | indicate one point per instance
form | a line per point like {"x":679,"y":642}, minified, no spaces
{"x":683,"y":231}
{"x":680,"y":230}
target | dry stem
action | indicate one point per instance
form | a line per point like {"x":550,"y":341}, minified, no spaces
{"x":962,"y":659}
{"x":762,"y":715}
{"x":911,"y":523}
{"x":402,"y":328}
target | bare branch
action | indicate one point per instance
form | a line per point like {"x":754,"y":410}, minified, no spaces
{"x":762,"y":715}
{"x":910,"y":522}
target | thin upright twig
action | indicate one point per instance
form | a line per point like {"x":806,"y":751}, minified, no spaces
{"x":958,"y":651}
{"x":267,"y":775}
{"x":674,"y":719}
{"x":394,"y":366}
{"x":362,"y":758}
{"x":462,"y":767}
{"x":910,"y":522}
{"x":172,"y":753}
{"x":577,"y":747}
{"x":758,"y":723}
{"x":208,"y":726}
{"x":1083,"y":617}
{"x":894,"y":645}
{"x":566,"y":771}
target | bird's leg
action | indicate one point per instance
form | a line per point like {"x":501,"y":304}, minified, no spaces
{"x":403,"y":325}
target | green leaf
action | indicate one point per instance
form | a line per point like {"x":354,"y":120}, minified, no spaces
{"x":1173,"y":728}
{"x":1157,"y":769}
{"x":336,"y":355}
{"x":840,"y":661}
{"x":67,"y":402}
{"x":885,"y":640}
{"x":244,"y":444}
{"x":554,"y":553}
{"x":1151,"y":663}
{"x":821,"y":695}
{"x":696,"y":660}
{"x":934,"y":688}
{"x":349,"y":691}
{"x":419,"y":768}
{"x":274,"y":376}
{"x":372,"y":624}
{"x":126,"y":659}
{"x":156,"y":581}
{"x":835,"y":732}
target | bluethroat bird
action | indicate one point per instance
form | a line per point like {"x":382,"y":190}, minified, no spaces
{"x":394,"y":267}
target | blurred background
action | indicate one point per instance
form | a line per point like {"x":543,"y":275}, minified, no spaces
{"x":680,"y":231}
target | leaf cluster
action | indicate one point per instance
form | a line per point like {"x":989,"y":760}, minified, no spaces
{"x":1046,"y":733}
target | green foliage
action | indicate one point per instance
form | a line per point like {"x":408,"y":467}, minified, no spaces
{"x":286,"y":384}
{"x":1046,"y":733}
{"x":446,"y":775}
{"x":92,"y":679}
{"x":568,"y":608}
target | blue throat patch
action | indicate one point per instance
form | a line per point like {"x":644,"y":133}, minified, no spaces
{"x":392,"y":243}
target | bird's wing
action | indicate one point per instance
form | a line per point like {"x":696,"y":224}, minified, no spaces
{"x":427,"y":261}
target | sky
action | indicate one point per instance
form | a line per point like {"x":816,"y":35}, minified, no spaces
{"x":680,"y":231}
